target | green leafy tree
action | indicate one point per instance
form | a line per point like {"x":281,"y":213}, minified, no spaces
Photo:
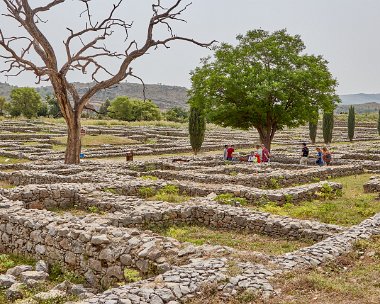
{"x":25,"y":101}
{"x":313,"y":127}
{"x":103,"y":110}
{"x":177,"y":114}
{"x":12,"y":111}
{"x":328,"y":127}
{"x":53,"y":107}
{"x":125,"y":108}
{"x":2,"y":105}
{"x":351,"y":123}
{"x":266,"y":82}
{"x":145,"y":110}
{"x":43,"y":110}
{"x":197,"y":128}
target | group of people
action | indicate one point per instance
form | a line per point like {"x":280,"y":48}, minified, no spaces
{"x":323,"y":156}
{"x":261,"y":155}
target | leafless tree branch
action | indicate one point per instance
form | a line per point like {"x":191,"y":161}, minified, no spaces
{"x":88,"y":58}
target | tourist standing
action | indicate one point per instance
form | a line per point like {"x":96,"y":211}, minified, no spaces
{"x":319,"y":160}
{"x":304,"y":155}
{"x":265,"y":154}
{"x":225,"y":152}
{"x":230,"y":151}
{"x":326,"y":156}
{"x":259,"y":154}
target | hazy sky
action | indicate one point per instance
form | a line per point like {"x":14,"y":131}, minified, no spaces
{"x":345,"y":32}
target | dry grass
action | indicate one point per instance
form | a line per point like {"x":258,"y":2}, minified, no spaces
{"x":6,"y":185}
{"x":98,"y":140}
{"x":240,"y":240}
{"x":8,"y":160}
{"x":351,"y":279}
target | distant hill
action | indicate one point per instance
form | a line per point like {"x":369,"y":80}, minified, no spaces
{"x":171,"y":96}
{"x":352,"y":99}
{"x":162,"y":95}
{"x":363,"y":103}
{"x":359,"y":108}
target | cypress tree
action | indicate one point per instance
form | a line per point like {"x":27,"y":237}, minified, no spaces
{"x":313,"y":126}
{"x":351,"y":123}
{"x":197,"y":128}
{"x":378,"y":123}
{"x":328,"y":126}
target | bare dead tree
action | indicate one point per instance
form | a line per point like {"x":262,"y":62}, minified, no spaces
{"x":87,"y":58}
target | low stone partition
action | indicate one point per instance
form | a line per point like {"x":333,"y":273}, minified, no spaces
{"x":48,"y":196}
{"x":361,"y":156}
{"x":252,"y":195}
{"x":87,"y":246}
{"x":373,"y":185}
{"x":184,"y":282}
{"x":331,"y":247}
{"x":133,"y":212}
{"x":22,"y":177}
{"x":261,"y":176}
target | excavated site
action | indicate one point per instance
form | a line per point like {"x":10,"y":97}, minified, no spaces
{"x":103,"y":220}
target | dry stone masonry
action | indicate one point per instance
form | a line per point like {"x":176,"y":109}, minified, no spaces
{"x":95,"y":220}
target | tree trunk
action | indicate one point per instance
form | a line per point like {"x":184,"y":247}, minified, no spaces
{"x":266,"y":136}
{"x":73,"y":148}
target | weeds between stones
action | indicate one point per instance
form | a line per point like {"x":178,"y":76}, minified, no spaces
{"x":352,"y":207}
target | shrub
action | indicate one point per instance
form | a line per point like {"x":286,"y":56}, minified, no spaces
{"x":274,"y":183}
{"x":146,"y":192}
{"x":93,"y":209}
{"x":132,"y":275}
{"x":288,"y":198}
{"x":327,"y":192}
{"x":57,"y":274}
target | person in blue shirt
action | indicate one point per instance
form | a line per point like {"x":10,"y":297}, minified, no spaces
{"x":319,"y":160}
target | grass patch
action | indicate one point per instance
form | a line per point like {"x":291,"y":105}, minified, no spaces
{"x":168,"y":193}
{"x":11,"y":260}
{"x":58,"y":275}
{"x":149,"y":177}
{"x":98,"y":140}
{"x":6,"y":185}
{"x":8,"y":160}
{"x":351,"y":208}
{"x":230,"y":199}
{"x":240,"y":240}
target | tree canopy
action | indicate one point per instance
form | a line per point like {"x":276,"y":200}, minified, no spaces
{"x":25,"y":101}
{"x":265,"y":82}
{"x":177,"y":114}
{"x":125,"y":108}
{"x":2,"y":104}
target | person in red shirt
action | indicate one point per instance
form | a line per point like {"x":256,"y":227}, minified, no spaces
{"x":230,"y":151}
{"x":265,"y":154}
